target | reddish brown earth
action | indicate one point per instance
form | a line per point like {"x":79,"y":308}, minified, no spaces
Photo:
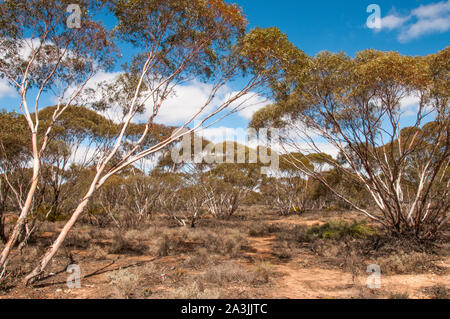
{"x":302,"y":276}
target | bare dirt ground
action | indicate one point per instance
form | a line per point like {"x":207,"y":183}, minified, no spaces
{"x":228,"y":259}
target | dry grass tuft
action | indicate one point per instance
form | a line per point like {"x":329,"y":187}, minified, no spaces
{"x":195,"y":290}
{"x":407,"y":263}
{"x":226,"y":273}
{"x":124,"y":281}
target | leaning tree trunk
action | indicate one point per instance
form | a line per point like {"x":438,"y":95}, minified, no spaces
{"x":18,"y":227}
{"x":62,"y":235}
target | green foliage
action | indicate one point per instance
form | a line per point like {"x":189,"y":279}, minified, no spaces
{"x":341,"y":229}
{"x":355,"y":105}
{"x":45,"y":211}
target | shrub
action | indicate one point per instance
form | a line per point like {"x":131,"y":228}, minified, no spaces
{"x":199,"y":259}
{"x":263,"y":272}
{"x":136,"y":235}
{"x":124,"y":281}
{"x":78,"y":239}
{"x":341,"y":229}
{"x":260,"y":229}
{"x":118,"y":243}
{"x":195,"y":290}
{"x":404,"y":263}
{"x":165,"y":246}
{"x":438,"y":292}
{"x":284,"y":252}
{"x":98,"y":252}
{"x":121,"y":244}
{"x":399,"y":295}
{"x":233,"y":245}
{"x":228,"y":273}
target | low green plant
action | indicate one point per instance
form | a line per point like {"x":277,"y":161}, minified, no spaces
{"x":339,"y":229}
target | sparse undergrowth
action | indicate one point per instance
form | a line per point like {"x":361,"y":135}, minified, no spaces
{"x":218,"y":259}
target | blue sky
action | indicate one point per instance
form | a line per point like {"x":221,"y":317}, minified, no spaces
{"x":341,"y":25}
{"x":314,"y":26}
{"x":410,"y":27}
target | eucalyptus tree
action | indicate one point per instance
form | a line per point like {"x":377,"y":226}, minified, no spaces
{"x":40,"y":53}
{"x":235,"y":172}
{"x":286,"y":189}
{"x":217,"y":182}
{"x":14,"y":156}
{"x":357,"y":105}
{"x":176,"y":41}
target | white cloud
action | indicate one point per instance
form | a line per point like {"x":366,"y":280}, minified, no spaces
{"x":185,"y":102}
{"x":409,"y":101}
{"x":92,"y":83}
{"x":432,"y":10}
{"x":391,"y":22}
{"x":247,"y":104}
{"x":181,"y":106}
{"x":6,"y":90}
{"x":426,"y":19}
{"x":427,"y":26}
{"x":189,"y":99}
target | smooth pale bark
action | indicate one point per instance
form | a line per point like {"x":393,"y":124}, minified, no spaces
{"x":25,"y":209}
{"x":95,"y":184}
{"x":57,"y":243}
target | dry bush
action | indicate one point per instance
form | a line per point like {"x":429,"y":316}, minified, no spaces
{"x":97,"y":252}
{"x":263,"y":272}
{"x":165,"y":246}
{"x":222,"y":241}
{"x":173,"y":241}
{"x":119,"y":244}
{"x":100,"y":233}
{"x":399,"y":295}
{"x":295,"y":234}
{"x":353,"y":255}
{"x":78,"y":239}
{"x":19,"y":265}
{"x":283,"y":250}
{"x":122,"y":245}
{"x":407,"y":263}
{"x":136,"y":235}
{"x":227,"y":273}
{"x":195,"y":290}
{"x":261,"y":229}
{"x":329,"y":249}
{"x":124,"y":281}
{"x":233,"y":244}
{"x":438,"y":292}
{"x":198,"y":260}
